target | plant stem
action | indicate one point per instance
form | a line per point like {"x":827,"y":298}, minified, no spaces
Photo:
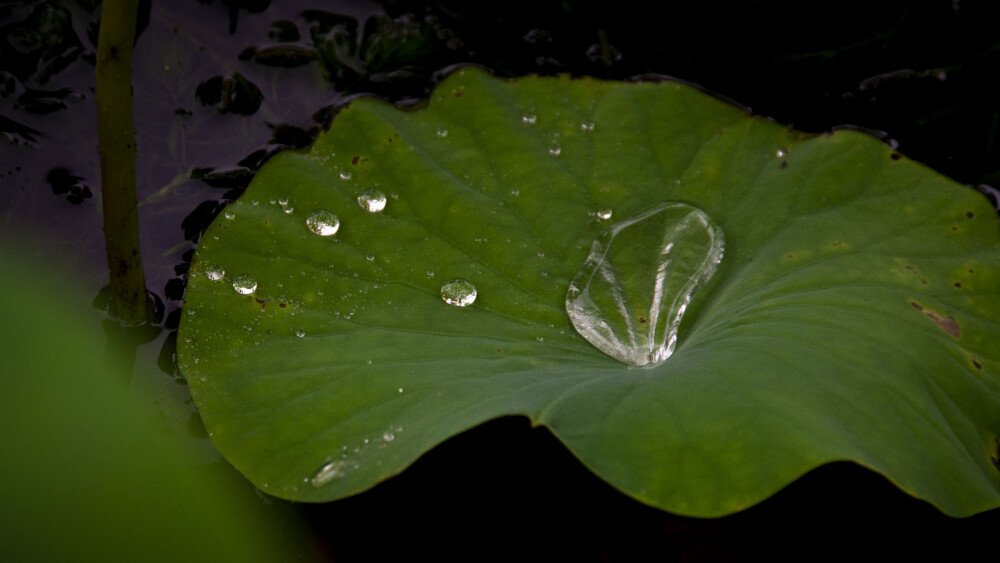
{"x":116,"y":140}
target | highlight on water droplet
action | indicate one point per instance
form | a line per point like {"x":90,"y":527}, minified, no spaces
{"x":602,"y":214}
{"x":244,"y":284}
{"x":442,"y":132}
{"x":529,"y":118}
{"x":229,"y":215}
{"x":323,"y":223}
{"x":345,"y":174}
{"x":301,"y":333}
{"x":640,"y":276}
{"x":458,"y":292}
{"x":215,"y":272}
{"x":780,"y":153}
{"x":555,"y":149}
{"x":372,"y":200}
{"x":587,"y":126}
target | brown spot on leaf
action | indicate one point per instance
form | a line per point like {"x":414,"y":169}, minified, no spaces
{"x":838,"y":243}
{"x":923,"y":281}
{"x":977,"y":365}
{"x":970,"y":214}
{"x":642,"y":320}
{"x":917,"y":306}
{"x":947,"y":324}
{"x":355,"y":160}
{"x":791,"y":256}
{"x":895,"y":156}
{"x":910,"y":268}
{"x":784,"y":164}
{"x":954,"y":228}
{"x":958,"y":284}
{"x":282,"y":305}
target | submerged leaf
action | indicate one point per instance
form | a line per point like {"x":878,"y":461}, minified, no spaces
{"x":855,"y":315}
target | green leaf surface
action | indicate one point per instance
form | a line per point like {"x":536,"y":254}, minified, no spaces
{"x":855,"y":314}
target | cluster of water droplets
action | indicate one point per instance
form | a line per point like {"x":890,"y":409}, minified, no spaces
{"x":351,"y":458}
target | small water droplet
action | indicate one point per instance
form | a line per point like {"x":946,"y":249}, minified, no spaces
{"x":372,"y":200}
{"x":587,"y":126}
{"x":288,"y":210}
{"x":515,"y":193}
{"x":540,"y":338}
{"x":282,"y":201}
{"x":430,"y":273}
{"x":602,"y":214}
{"x":400,"y":389}
{"x":458,"y":292}
{"x":388,"y":436}
{"x":328,"y":472}
{"x":370,"y":258}
{"x":301,"y":333}
{"x":442,"y":132}
{"x":245,"y":284}
{"x":780,"y":153}
{"x":229,"y":215}
{"x":345,"y":174}
{"x":529,"y":118}
{"x":323,"y":223}
{"x":555,"y":149}
{"x":215,"y":272}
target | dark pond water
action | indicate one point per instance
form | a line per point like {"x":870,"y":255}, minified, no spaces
{"x":220,"y":86}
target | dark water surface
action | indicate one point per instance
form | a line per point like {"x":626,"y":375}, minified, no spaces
{"x":220,"y":86}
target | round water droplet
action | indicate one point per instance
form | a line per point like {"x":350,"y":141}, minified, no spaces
{"x":555,"y":149}
{"x":529,"y":118}
{"x":245,"y":284}
{"x":587,"y":126}
{"x":400,"y":389}
{"x":288,"y":210}
{"x":602,"y":214}
{"x":372,"y":200}
{"x":301,"y":333}
{"x":370,"y":258}
{"x":345,"y":175}
{"x":780,"y":153}
{"x":515,"y":192}
{"x":229,"y":215}
{"x":215,"y":272}
{"x":282,"y":201}
{"x":458,"y":292}
{"x":442,"y":132}
{"x":323,"y":223}
{"x":430,"y":273}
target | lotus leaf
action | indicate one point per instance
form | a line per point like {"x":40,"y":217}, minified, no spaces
{"x":854,"y":316}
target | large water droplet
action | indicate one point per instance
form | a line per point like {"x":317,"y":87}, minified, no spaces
{"x":245,"y":284}
{"x":215,"y":272}
{"x":636,"y":283}
{"x":458,"y":292}
{"x":323,"y":223}
{"x":372,"y":200}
